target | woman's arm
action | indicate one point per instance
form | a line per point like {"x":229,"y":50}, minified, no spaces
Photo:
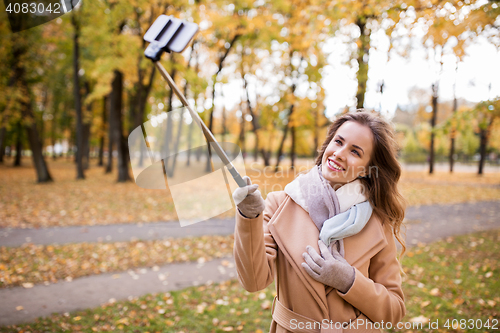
{"x":254,"y":248}
{"x":379,"y":297}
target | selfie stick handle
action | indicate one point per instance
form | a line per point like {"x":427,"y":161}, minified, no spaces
{"x":210,"y":137}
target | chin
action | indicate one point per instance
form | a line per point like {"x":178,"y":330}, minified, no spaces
{"x":331,"y":177}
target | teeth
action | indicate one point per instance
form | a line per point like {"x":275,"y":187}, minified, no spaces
{"x":333,"y":165}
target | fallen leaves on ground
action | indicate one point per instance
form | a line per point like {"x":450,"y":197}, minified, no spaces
{"x":456,"y":178}
{"x":99,"y":199}
{"x":31,"y":263}
{"x":428,"y":194}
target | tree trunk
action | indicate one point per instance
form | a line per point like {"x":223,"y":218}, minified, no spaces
{"x":433,"y":125}
{"x":143,"y":98}
{"x":241,"y":139}
{"x":36,"y":149}
{"x":282,"y":144}
{"x":45,"y":100}
{"x":71,"y":149}
{"x":138,"y":100}
{"x":53,"y":132}
{"x":452,"y":136}
{"x":214,"y":81}
{"x":292,"y":149}
{"x":224,"y":120}
{"x":111,"y":135}
{"x":266,"y":155}
{"x":103,"y":130}
{"x":86,"y":146}
{"x":78,"y":103}
{"x":86,"y":132}
{"x":176,"y":146}
{"x":483,"y":145}
{"x":255,"y":120}
{"x":316,"y":132}
{"x":482,"y":150}
{"x":19,"y":77}
{"x":100,"y":154}
{"x":19,"y":145}
{"x":33,"y":138}
{"x":3,"y":130}
{"x":190,"y":131}
{"x":362,"y":60}
{"x":121,"y":142}
{"x":181,"y":122}
{"x":169,"y":128}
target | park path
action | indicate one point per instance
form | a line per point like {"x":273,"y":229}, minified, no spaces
{"x":425,"y":224}
{"x":114,"y":232}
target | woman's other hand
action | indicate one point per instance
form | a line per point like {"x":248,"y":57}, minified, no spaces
{"x":249,"y":200}
{"x":330,"y":268}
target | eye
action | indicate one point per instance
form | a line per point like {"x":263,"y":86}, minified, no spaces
{"x":356,"y":152}
{"x":338,"y":141}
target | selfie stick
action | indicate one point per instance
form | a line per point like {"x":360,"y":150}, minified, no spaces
{"x":168,"y":34}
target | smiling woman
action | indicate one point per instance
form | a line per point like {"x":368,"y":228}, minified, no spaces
{"x":327,"y":238}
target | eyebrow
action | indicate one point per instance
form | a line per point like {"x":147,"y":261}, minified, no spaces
{"x":355,"y":146}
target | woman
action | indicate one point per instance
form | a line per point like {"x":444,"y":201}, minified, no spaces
{"x":328,"y":237}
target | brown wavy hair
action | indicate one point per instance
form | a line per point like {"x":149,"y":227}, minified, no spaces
{"x":384,"y":170}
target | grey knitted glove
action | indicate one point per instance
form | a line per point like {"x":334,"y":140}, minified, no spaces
{"x":249,"y":200}
{"x":330,"y":269}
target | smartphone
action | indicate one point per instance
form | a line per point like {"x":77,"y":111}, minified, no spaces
{"x":171,"y":34}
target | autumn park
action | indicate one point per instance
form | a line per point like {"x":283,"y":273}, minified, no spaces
{"x":87,"y":247}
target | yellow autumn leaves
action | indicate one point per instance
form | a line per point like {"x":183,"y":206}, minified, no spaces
{"x":31,"y":264}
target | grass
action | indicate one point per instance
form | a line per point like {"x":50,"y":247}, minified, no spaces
{"x":220,"y":307}
{"x":99,"y":199}
{"x":456,"y":278}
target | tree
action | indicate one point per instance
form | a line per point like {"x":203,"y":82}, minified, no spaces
{"x":116,"y":114}
{"x":102,"y":131}
{"x":453,"y":131}
{"x":443,"y":36}
{"x":367,"y":17}
{"x":300,"y":38}
{"x":434,"y":103}
{"x":23,"y":60}
{"x":77,"y":95}
{"x":486,"y":113}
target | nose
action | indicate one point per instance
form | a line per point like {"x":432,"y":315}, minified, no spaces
{"x":340,"y":153}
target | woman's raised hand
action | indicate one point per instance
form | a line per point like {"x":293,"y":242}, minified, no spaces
{"x":249,"y":200}
{"x":330,"y":269}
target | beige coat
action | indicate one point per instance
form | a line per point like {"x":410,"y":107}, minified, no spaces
{"x":273,"y":243}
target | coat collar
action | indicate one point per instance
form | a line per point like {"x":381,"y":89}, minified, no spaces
{"x":293,"y":230}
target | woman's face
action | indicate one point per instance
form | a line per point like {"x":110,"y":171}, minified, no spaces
{"x":348,"y":154}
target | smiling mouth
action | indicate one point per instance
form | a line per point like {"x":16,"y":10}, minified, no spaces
{"x":333,"y":165}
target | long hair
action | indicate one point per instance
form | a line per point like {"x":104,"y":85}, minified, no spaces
{"x":384,"y":169}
